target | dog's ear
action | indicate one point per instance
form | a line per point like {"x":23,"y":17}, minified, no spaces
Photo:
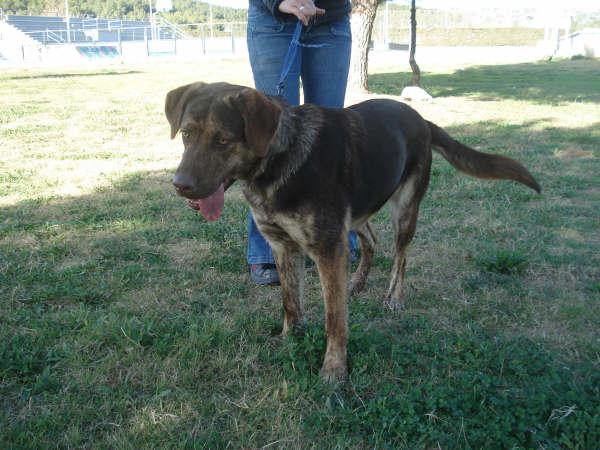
{"x":261,"y":117}
{"x":175,"y":105}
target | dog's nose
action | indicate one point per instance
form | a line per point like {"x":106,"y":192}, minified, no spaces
{"x":183,"y":183}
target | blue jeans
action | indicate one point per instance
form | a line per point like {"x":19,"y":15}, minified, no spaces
{"x":323,"y":70}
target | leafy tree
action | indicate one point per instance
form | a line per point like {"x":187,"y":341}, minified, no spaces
{"x":184,"y":11}
{"x":22,"y":6}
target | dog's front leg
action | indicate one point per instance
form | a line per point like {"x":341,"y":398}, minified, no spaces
{"x":290,"y":265}
{"x":333,"y":272}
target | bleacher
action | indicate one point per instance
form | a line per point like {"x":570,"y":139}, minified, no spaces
{"x":53,"y":30}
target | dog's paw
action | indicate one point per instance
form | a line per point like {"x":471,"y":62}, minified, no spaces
{"x":394,"y":305}
{"x":297,"y":328}
{"x":334,"y":373}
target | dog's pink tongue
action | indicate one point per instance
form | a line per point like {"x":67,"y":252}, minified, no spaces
{"x":211,"y":206}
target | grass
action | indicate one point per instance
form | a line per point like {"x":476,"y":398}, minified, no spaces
{"x":126,"y":321}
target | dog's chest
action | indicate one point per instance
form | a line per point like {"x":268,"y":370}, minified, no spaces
{"x":259,"y":201}
{"x":278,"y":225}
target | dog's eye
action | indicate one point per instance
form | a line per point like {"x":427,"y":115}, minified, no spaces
{"x":223,"y":141}
{"x":186,"y":134}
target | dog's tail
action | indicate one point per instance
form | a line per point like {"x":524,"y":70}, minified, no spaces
{"x":478,"y":164}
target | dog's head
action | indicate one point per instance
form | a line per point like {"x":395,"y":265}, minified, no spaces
{"x":226,"y":131}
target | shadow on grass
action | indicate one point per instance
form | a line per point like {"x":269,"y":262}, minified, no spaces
{"x":70,"y":75}
{"x":541,"y":82}
{"x":97,"y":247}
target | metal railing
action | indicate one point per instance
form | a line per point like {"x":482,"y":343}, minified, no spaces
{"x":177,"y":31}
{"x":80,"y":35}
{"x":52,"y":36}
{"x":89,"y":31}
{"x":184,"y":40}
{"x":215,"y":29}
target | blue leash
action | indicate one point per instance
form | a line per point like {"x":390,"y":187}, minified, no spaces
{"x":290,"y":57}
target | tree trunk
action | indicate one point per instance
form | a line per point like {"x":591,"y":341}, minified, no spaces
{"x":416,"y":77}
{"x":363,"y":16}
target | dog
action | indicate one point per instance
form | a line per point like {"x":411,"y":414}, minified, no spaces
{"x":313,"y":174}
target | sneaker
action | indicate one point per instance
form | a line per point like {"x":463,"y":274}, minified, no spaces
{"x":264,"y":274}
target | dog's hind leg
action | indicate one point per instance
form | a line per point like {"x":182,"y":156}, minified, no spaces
{"x":367,"y":250}
{"x":404,"y":205}
{"x":290,"y":265}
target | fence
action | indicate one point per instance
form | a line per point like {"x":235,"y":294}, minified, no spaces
{"x":477,"y":25}
{"x":50,"y":37}
{"x":215,"y":29}
{"x":435,"y":27}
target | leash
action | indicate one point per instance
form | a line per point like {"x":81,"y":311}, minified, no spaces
{"x":290,"y":56}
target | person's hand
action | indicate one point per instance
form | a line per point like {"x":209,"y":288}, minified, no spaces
{"x":304,"y":10}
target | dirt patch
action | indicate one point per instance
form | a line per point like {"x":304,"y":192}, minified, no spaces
{"x":573,"y":153}
{"x":187,"y":251}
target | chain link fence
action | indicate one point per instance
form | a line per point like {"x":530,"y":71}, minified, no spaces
{"x":470,"y":27}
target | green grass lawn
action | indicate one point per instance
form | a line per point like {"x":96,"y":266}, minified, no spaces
{"x":127,"y":321}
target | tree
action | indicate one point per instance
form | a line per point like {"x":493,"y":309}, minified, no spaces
{"x":363,"y":16}
{"x":415,"y":91}
{"x":416,"y":76}
{"x":22,"y":6}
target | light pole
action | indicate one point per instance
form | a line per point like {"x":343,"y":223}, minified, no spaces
{"x":210,"y":19}
{"x":151,"y":20}
{"x":68,"y":19}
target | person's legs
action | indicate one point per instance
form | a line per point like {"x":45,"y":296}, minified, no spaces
{"x":325,"y":66}
{"x":268,"y":43}
{"x":324,"y":70}
{"x":324,"y":83}
{"x":259,"y":251}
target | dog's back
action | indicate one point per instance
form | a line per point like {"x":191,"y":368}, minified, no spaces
{"x":399,"y":140}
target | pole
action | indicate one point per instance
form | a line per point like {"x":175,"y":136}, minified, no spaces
{"x":120,"y":43}
{"x":210,"y":19}
{"x":151,"y":18}
{"x":68,"y":19}
{"x":386,"y":24}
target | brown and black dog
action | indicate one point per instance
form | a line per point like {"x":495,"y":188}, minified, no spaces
{"x":311,"y":175}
